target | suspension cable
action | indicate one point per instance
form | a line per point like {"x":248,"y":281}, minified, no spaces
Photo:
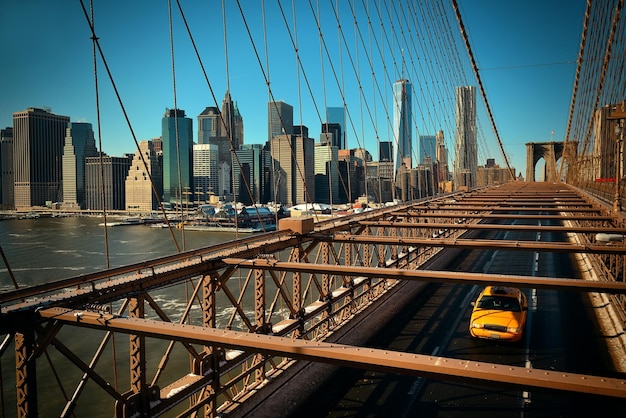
{"x":100,"y":153}
{"x":581,"y":54}
{"x":125,"y":113}
{"x":176,"y":127}
{"x":480,"y":85}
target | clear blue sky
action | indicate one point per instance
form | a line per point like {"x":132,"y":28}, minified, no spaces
{"x":526,"y":51}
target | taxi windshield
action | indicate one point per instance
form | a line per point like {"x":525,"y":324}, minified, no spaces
{"x":502,"y":303}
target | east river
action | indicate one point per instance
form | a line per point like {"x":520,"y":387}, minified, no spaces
{"x":46,"y":249}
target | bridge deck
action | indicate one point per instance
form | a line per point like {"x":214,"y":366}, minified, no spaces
{"x":288,"y":291}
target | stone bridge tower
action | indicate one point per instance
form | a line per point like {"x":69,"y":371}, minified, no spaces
{"x":550,"y":152}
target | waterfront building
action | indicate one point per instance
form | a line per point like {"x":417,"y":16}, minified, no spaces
{"x":251,"y":174}
{"x":6,"y":168}
{"x":280,"y":119}
{"x":336,"y":115}
{"x":294,"y":177}
{"x":38,"y":138}
{"x":402,"y":131}
{"x":177,"y":135}
{"x":205,"y":171}
{"x":140,"y":195}
{"x":466,"y":145}
{"x":79,"y":144}
{"x":326,"y":173}
{"x":224,"y":129}
{"x":105,"y":182}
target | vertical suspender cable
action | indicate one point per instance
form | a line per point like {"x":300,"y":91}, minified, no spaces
{"x":269,"y":99}
{"x":180,"y":185}
{"x":342,"y":87}
{"x":123,"y":109}
{"x":316,"y":12}
{"x":227,"y":120}
{"x":100,"y":153}
{"x":101,"y":163}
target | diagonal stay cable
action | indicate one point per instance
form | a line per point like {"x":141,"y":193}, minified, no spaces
{"x":480,"y":85}
{"x":123,"y":108}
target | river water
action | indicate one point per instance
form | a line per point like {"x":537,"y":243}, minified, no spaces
{"x":46,"y":249}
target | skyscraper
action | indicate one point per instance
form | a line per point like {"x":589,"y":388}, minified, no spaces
{"x":79,"y":144}
{"x":139,"y":193}
{"x":177,"y":153}
{"x":402,"y":132}
{"x":209,"y":125}
{"x":38,"y":137}
{"x":224,"y":129}
{"x":428,"y":148}
{"x":205,"y":171}
{"x":232,"y":122}
{"x":337,"y":115}
{"x":352,"y":173}
{"x":326,"y":173}
{"x":211,"y":131}
{"x":385,"y":151}
{"x":443,"y":170}
{"x":249,"y":171}
{"x":294,"y":176}
{"x":280,"y":119}
{"x":114,"y":171}
{"x":335,"y":134}
{"x":6,"y":168}
{"x":466,"y":146}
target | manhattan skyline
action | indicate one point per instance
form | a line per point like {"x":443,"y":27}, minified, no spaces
{"x":528,"y":69}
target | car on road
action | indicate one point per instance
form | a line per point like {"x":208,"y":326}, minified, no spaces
{"x":499,"y":313}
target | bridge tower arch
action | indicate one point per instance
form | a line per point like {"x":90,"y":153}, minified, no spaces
{"x":550,"y":152}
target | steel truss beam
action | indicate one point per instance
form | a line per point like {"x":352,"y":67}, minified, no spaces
{"x":209,"y":256}
{"x":386,"y":361}
{"x":25,"y":374}
{"x":437,"y":276}
{"x":463,"y":214}
{"x":495,"y":227}
{"x":498,"y":208}
{"x":392,"y":244}
{"x":481,"y":243}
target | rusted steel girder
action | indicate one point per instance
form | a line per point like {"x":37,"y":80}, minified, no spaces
{"x":25,"y":374}
{"x":567,"y":217}
{"x":297,"y":254}
{"x":386,"y":361}
{"x":500,"y":208}
{"x":495,"y":227}
{"x":209,"y":257}
{"x":482,"y":243}
{"x":438,"y":276}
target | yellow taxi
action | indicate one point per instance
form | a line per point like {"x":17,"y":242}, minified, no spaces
{"x":499,"y":314}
